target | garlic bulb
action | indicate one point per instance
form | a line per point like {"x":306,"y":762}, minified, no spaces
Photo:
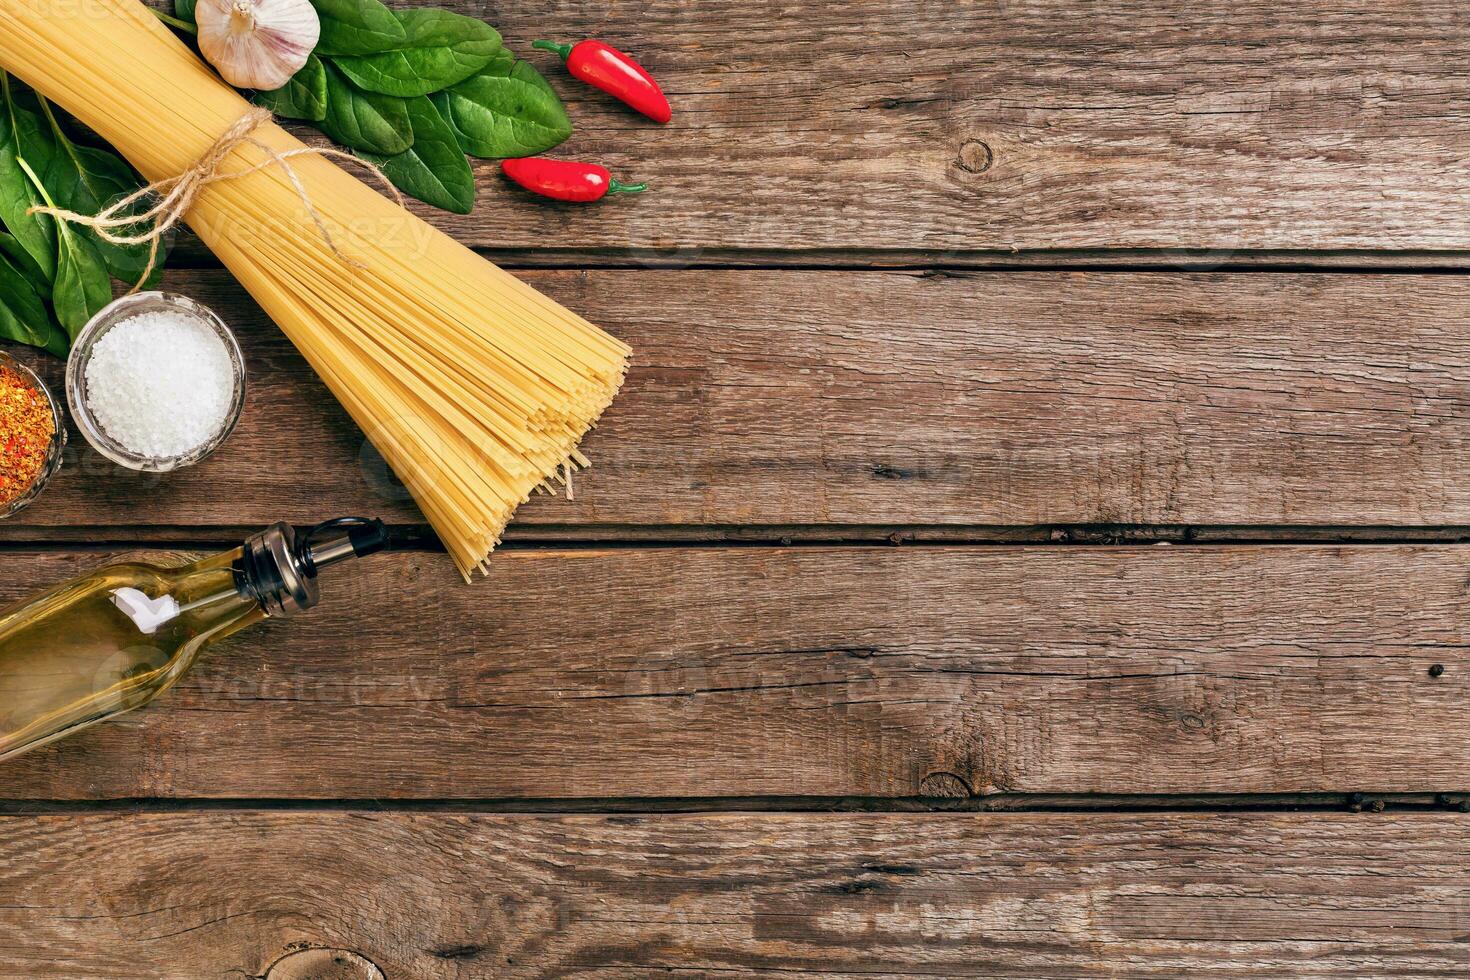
{"x":257,"y":44}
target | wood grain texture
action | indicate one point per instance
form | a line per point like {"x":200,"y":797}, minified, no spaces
{"x":952,"y":127}
{"x":865,"y":133}
{"x":889,"y":398}
{"x":814,"y":672}
{"x":463,"y":897}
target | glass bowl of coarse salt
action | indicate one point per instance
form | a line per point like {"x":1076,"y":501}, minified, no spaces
{"x":155,"y":381}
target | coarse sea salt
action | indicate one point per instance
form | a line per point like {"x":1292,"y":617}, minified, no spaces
{"x":160,"y":384}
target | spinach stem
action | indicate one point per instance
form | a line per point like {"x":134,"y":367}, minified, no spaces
{"x":64,"y":228}
{"x":40,"y":187}
{"x":176,"y":23}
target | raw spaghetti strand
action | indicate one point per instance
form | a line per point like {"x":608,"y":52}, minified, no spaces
{"x":475,"y":387}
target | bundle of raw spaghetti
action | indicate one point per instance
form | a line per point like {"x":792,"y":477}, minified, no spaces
{"x":475,"y":387}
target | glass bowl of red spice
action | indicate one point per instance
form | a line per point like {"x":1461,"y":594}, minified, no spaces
{"x":32,"y":435}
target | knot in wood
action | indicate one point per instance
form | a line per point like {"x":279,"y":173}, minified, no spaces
{"x":945,"y":784}
{"x":323,"y":964}
{"x":975,"y":156}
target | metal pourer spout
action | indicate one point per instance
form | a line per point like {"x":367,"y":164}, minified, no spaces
{"x":279,"y":565}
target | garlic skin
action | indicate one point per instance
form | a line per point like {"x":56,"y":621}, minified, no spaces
{"x":257,"y":44}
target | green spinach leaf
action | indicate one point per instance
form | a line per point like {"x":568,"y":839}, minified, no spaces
{"x":365,"y":121}
{"x":507,"y":110}
{"x":86,"y":179}
{"x":303,"y":97}
{"x":441,"y":49}
{"x":82,"y":285}
{"x":434,"y":170}
{"x":18,"y":137}
{"x":184,"y":10}
{"x":357,"y":27}
{"x":11,"y":247}
{"x":23,"y":315}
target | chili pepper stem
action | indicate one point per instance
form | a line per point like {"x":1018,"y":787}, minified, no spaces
{"x":565,"y":50}
{"x":615,"y":186}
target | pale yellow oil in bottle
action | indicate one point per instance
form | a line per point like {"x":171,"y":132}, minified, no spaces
{"x":73,"y":657}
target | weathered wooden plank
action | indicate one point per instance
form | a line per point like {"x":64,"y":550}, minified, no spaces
{"x":889,"y":398}
{"x":1202,"y":130}
{"x":1212,"y":128}
{"x":815,"y":672}
{"x":953,"y":127}
{"x":430,"y":896}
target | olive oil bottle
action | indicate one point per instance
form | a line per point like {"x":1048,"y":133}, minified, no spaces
{"x":115,"y":638}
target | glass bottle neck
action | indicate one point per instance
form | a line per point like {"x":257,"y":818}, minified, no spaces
{"x":278,"y":566}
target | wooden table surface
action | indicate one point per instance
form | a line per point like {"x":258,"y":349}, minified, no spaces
{"x":1029,"y":544}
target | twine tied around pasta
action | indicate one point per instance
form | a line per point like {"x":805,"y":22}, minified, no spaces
{"x":176,"y":195}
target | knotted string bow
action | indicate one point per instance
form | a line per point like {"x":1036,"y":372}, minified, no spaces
{"x":176,"y":195}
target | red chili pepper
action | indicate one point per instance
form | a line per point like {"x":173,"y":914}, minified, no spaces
{"x":566,"y":180}
{"x":604,"y":66}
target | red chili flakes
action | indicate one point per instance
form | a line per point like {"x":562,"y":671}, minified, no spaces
{"x":26,"y":429}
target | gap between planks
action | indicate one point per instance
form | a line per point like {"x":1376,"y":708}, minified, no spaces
{"x":418,"y":538}
{"x":1041,"y":803}
{"x":192,"y":255}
